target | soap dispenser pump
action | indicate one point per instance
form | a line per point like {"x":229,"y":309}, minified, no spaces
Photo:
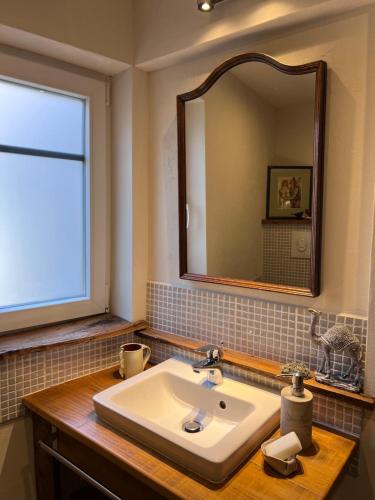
{"x":296,"y":409}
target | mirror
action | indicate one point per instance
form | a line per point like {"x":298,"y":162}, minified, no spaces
{"x":250,"y":143}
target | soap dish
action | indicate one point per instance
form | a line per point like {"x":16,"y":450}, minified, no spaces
{"x":284,"y":467}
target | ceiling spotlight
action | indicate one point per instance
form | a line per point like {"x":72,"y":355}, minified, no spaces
{"x":207,"y":5}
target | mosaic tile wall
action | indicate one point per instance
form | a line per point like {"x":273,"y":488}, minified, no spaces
{"x":278,"y":264}
{"x":22,"y":375}
{"x":264,"y":329}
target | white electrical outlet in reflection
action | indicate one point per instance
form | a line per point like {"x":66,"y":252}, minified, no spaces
{"x":301,"y":244}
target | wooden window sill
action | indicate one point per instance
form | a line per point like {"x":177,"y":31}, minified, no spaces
{"x":99,"y":327}
{"x":262,"y":366}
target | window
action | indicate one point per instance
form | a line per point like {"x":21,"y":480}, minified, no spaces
{"x":53,"y":195}
{"x":44,"y":249}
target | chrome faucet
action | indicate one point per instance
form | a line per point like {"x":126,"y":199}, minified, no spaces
{"x":213,"y":363}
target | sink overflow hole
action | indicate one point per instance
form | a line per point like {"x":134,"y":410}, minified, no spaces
{"x":192,"y":426}
{"x":223,"y":405}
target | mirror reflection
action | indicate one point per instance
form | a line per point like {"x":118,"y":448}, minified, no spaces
{"x":249,"y":156}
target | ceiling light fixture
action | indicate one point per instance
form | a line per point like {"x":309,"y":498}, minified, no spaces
{"x":207,"y":5}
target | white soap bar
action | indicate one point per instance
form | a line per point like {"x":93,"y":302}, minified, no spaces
{"x":285,"y":447}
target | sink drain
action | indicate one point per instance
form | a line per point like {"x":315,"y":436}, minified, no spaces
{"x":192,"y":426}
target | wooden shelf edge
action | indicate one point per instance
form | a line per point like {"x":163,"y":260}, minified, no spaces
{"x":261,"y":366}
{"x":79,"y":331}
{"x":286,"y":221}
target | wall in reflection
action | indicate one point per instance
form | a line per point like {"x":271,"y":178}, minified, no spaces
{"x":233,"y":133}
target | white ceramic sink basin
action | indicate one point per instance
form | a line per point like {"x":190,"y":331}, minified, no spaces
{"x":153,"y":407}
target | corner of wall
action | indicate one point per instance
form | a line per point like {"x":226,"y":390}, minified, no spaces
{"x":121,"y":194}
{"x":140,"y":192}
{"x":129,"y":194}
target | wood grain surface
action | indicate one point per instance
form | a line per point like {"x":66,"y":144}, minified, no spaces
{"x":287,"y":221}
{"x":69,"y":407}
{"x":101,"y":326}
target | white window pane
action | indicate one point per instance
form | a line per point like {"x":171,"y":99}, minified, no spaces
{"x":42,"y":230}
{"x":32,"y":118}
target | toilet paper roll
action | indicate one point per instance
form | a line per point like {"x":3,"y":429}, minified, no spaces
{"x":284,"y":448}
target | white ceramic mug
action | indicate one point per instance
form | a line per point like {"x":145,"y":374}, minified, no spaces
{"x":133,"y":359}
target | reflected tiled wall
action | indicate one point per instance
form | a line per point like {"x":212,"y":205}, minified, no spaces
{"x":269,"y":330}
{"x":278,"y":264}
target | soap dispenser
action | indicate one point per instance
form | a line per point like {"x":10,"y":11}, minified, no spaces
{"x":296,"y":409}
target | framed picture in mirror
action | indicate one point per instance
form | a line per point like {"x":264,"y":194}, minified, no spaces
{"x":288,"y":192}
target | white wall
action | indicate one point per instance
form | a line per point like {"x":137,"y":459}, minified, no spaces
{"x":100,"y":26}
{"x":16,"y":460}
{"x":121,"y":193}
{"x":294,"y":135}
{"x":344,"y":45}
{"x":129,"y":194}
{"x":195,"y":136}
{"x":167,"y":31}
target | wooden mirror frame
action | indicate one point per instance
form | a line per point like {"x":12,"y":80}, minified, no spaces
{"x":320,"y":69}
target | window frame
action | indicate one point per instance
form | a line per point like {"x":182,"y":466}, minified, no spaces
{"x":70,"y":80}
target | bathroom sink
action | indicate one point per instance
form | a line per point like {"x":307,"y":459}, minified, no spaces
{"x":208,"y":429}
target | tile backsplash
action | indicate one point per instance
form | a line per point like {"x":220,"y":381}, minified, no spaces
{"x":264,"y":329}
{"x":23,"y":374}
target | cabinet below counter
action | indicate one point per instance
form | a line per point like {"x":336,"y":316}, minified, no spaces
{"x":67,"y":431}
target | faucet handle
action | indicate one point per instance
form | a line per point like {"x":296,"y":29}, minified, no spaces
{"x":212,"y":351}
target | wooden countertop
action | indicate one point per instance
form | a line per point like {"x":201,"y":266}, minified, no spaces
{"x":69,"y":407}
